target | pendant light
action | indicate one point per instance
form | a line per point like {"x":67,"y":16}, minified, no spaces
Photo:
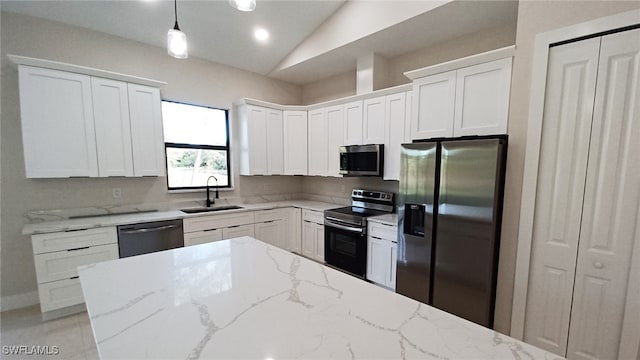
{"x":176,"y":39}
{"x":243,"y":5}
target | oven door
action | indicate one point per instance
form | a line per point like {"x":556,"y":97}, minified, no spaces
{"x":345,"y":247}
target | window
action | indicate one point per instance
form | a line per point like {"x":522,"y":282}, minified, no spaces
{"x":196,"y":140}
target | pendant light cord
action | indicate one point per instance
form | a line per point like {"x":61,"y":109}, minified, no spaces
{"x":175,"y":11}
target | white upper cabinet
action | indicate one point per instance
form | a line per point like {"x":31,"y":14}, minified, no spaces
{"x":353,"y":123}
{"x":433,"y":106}
{"x":261,"y":139}
{"x":335,"y":135}
{"x":146,"y":130}
{"x":57,"y":123}
{"x":373,"y":129}
{"x":253,"y":135}
{"x":112,"y":126}
{"x":77,"y":125}
{"x":318,"y":142}
{"x":482,"y":98}
{"x":472,"y":100}
{"x":295,"y":142}
{"x":408,"y":109}
{"x":395,"y":119}
{"x":275,"y":142}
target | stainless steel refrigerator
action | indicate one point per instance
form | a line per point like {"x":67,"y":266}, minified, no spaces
{"x":449,"y":213}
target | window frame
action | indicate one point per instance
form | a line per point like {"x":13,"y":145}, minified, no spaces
{"x":226,"y":148}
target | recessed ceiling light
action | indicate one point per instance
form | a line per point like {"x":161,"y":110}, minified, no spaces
{"x":261,"y":35}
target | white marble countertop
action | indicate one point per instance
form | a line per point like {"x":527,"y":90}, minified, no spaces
{"x":242,"y":298}
{"x":388,"y":219}
{"x":149,"y":216}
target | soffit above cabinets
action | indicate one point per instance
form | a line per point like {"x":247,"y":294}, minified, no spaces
{"x":310,"y":40}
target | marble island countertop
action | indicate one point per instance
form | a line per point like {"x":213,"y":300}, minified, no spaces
{"x":242,"y":298}
{"x":139,"y":215}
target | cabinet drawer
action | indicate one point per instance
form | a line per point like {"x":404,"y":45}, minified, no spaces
{"x":238,"y":231}
{"x":63,"y":264}
{"x":217,"y":221}
{"x":45,"y":243}
{"x":59,"y":294}
{"x":270,"y":215}
{"x":313,"y":216}
{"x":383,"y":231}
{"x":202,"y":237}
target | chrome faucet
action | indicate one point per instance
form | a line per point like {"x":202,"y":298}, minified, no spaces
{"x":209,"y":201}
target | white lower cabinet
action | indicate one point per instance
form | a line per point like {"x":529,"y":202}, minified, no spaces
{"x":295,"y":230}
{"x":313,"y":235}
{"x":272,"y":227}
{"x":57,"y":256}
{"x":382,"y":248}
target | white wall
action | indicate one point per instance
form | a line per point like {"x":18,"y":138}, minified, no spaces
{"x":194,"y":80}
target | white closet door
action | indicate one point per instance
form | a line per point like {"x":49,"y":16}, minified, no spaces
{"x":610,"y":203}
{"x":571,"y":83}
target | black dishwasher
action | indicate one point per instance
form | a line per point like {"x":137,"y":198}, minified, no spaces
{"x":144,"y":238}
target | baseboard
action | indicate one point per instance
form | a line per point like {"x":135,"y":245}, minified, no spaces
{"x":13,"y":302}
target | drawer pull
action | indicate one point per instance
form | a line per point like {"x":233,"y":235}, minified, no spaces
{"x":80,"y":248}
{"x":72,"y":230}
{"x":75,"y":277}
{"x":270,"y":221}
{"x":231,"y":227}
{"x":210,"y":230}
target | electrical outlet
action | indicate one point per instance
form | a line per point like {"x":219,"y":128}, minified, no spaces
{"x":117,"y":193}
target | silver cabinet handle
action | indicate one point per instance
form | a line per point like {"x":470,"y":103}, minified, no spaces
{"x":598,"y":265}
{"x":144,"y":230}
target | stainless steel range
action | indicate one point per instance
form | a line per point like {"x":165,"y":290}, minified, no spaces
{"x":345,"y":230}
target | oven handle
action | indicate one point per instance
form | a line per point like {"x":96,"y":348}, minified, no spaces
{"x":343,"y":227}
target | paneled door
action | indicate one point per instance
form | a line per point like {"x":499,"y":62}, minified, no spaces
{"x":611,"y":198}
{"x":561,"y":177}
{"x":588,"y":201}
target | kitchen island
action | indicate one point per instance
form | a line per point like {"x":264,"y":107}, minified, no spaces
{"x":242,"y":298}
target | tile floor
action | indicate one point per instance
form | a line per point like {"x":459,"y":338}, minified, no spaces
{"x":72,"y":334}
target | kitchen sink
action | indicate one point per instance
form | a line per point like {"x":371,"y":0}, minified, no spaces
{"x":217,"y":208}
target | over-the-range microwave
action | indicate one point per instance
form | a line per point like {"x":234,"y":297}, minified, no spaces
{"x":362,"y":160}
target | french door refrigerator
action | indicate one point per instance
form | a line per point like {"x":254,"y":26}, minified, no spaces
{"x":449,"y":214}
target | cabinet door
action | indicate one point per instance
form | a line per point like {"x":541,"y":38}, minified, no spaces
{"x":318,"y":142}
{"x":147,"y":139}
{"x":58,"y":132}
{"x":319,"y":242}
{"x":482,"y":98}
{"x":202,"y":237}
{"x":609,"y":226}
{"x":378,"y":260}
{"x":295,"y":143}
{"x":256,"y":140}
{"x":308,"y":239}
{"x":433,"y":106}
{"x":391,"y":280}
{"x":353,"y":123}
{"x":395,"y":120}
{"x":238,"y":231}
{"x":112,"y":126}
{"x":294,"y":243}
{"x":335,"y":134}
{"x":564,"y":152}
{"x":270,"y":232}
{"x":275,"y":142}
{"x":373,"y":121}
{"x":407,"y":120}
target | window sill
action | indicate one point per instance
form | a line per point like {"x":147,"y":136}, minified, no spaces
{"x":213,"y":189}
